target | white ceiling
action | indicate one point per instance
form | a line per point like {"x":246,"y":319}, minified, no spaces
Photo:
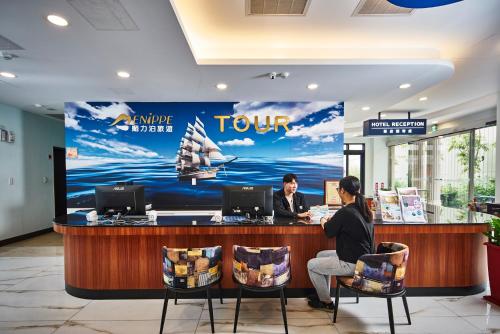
{"x":183,"y":48}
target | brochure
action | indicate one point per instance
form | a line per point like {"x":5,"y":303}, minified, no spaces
{"x":412,"y":209}
{"x":407,"y":191}
{"x":389,"y":206}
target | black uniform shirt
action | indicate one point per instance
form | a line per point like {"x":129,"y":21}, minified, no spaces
{"x":281,"y":205}
{"x":354,"y":234}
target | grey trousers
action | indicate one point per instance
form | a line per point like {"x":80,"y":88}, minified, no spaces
{"x":322,"y":267}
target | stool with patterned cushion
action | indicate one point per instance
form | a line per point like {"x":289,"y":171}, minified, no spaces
{"x":379,"y":275}
{"x":261,"y":269}
{"x":188,"y":270}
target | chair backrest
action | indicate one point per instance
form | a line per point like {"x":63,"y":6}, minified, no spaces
{"x":383,"y":272}
{"x":187,"y":268}
{"x":261,"y":266}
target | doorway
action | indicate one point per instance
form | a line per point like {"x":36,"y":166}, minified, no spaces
{"x":59,"y":155}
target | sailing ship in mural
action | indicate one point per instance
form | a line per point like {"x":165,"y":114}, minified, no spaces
{"x":196,"y":154}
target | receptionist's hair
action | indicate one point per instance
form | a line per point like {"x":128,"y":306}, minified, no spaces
{"x":290,"y":178}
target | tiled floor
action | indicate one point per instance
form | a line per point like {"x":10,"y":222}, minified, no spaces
{"x":33,"y":300}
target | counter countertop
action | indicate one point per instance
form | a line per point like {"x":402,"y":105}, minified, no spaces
{"x":436,"y":215}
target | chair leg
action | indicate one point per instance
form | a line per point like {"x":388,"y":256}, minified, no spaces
{"x":357,"y":298}
{"x":175,"y":296}
{"x":220,"y":292}
{"x":336,"y":305}
{"x":283,"y":309}
{"x":210,"y":309}
{"x":238,"y":301}
{"x":164,"y":311}
{"x":405,"y":303}
{"x":391,"y":317}
{"x":286,"y":299}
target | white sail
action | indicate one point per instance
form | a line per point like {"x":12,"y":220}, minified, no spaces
{"x":197,"y":137}
{"x":200,"y":128}
{"x":196,"y":147}
{"x":199,"y":122}
{"x":195,"y":159}
{"x":209,"y":145}
{"x":215,"y":155}
{"x":205,"y":161}
{"x":197,"y":150}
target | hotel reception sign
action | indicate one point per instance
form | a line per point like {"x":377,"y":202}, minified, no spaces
{"x":394,"y":127}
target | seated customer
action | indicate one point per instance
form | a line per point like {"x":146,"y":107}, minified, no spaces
{"x":288,"y":202}
{"x":353,"y":228}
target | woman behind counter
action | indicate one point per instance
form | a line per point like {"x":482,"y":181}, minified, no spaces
{"x":353,"y":228}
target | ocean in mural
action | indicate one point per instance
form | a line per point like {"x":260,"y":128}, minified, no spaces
{"x":209,"y":142}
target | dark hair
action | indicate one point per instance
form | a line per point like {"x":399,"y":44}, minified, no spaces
{"x":352,"y":185}
{"x":290,"y":177}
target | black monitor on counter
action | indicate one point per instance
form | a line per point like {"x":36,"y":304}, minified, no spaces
{"x":250,"y":201}
{"x":124,"y":199}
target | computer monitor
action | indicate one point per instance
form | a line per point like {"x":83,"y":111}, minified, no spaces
{"x":115,"y":199}
{"x":255,"y":201}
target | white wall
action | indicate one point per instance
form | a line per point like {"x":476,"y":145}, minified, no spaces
{"x":376,"y":161}
{"x":28,"y":204}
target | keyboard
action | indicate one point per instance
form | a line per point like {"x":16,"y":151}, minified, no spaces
{"x":234,"y":219}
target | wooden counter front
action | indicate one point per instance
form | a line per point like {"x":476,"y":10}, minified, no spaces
{"x":129,"y":258}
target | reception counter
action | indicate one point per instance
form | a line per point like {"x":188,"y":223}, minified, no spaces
{"x":447,"y":256}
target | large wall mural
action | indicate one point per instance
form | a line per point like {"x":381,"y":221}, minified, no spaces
{"x":183,"y":153}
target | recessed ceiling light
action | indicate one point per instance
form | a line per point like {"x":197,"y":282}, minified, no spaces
{"x":441,"y":137}
{"x":57,"y":20}
{"x":312,"y":86}
{"x":221,"y":86}
{"x":434,"y":122}
{"x":423,"y":98}
{"x":365,"y":108}
{"x":405,"y":85}
{"x":123,"y":74}
{"x":383,"y":115}
{"x":38,"y":105}
{"x":8,"y":75}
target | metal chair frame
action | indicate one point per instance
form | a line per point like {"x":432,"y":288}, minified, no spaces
{"x":388,"y":296}
{"x":192,"y":290}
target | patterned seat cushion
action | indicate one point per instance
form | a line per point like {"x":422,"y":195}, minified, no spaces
{"x":261,"y":267}
{"x":186,"y":268}
{"x":382,"y":272}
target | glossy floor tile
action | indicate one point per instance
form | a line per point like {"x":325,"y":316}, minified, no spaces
{"x":33,"y":300}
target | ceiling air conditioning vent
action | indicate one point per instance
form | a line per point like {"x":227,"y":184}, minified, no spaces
{"x":7,"y":44}
{"x":379,"y":7}
{"x":104,"y":15}
{"x":277,"y":7}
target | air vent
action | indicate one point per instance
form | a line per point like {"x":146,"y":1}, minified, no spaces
{"x":104,"y":14}
{"x":379,"y":7}
{"x":7,"y":44}
{"x":277,"y":7}
{"x":56,"y":116}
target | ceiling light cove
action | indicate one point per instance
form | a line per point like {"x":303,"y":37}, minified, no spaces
{"x":123,"y":74}
{"x":423,"y":98}
{"x":8,"y":75}
{"x":312,"y":86}
{"x":366,"y":108}
{"x":221,"y":86}
{"x":57,"y":20}
{"x":405,"y":86}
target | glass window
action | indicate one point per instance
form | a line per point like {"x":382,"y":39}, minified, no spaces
{"x":356,"y":147}
{"x":484,"y":164}
{"x":399,"y":166}
{"x":452,"y":170}
{"x":354,"y":165}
